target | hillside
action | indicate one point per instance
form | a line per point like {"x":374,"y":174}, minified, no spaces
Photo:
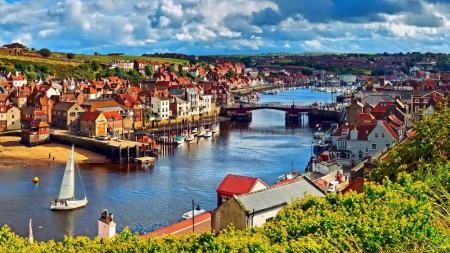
{"x":81,"y":66}
{"x":404,"y":208}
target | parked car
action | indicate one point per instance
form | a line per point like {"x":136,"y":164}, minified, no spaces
{"x":103,"y":137}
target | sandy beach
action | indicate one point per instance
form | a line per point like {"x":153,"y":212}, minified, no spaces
{"x":13,"y":153}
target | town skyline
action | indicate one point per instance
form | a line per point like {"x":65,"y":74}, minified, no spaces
{"x":217,"y":27}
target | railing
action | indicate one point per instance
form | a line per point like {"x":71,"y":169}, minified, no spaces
{"x":268,"y":105}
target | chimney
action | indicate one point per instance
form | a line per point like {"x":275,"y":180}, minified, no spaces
{"x":106,"y":225}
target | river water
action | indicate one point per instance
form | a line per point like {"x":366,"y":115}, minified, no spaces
{"x":148,"y":199}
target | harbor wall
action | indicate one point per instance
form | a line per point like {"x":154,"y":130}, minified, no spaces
{"x":84,"y":143}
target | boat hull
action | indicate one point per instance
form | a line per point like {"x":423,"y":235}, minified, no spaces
{"x":71,"y":204}
{"x":207,"y":135}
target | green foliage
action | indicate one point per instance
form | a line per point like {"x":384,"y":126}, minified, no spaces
{"x":306,"y":72}
{"x":95,"y":65}
{"x":70,"y":55}
{"x":149,"y":70}
{"x":45,"y":52}
{"x":230,"y":73}
{"x":171,"y":69}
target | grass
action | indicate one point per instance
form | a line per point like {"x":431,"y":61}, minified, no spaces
{"x":107,"y":58}
{"x":38,"y":60}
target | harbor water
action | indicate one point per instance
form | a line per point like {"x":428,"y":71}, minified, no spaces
{"x":148,"y":199}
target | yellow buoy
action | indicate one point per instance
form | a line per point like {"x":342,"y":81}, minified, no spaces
{"x":36,"y":180}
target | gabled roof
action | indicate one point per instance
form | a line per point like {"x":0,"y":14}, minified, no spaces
{"x":382,"y":107}
{"x":236,"y":184}
{"x":63,"y":106}
{"x":389,"y":129}
{"x":356,"y":185}
{"x":279,"y":195}
{"x":90,"y":116}
{"x":365,"y":117}
{"x":112,"y":115}
{"x":365,"y":129}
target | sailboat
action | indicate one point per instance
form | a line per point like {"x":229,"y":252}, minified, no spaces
{"x":66,"y":200}
{"x":189,"y":137}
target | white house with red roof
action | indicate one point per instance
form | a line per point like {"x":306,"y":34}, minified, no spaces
{"x":364,"y":138}
{"x":18,"y":81}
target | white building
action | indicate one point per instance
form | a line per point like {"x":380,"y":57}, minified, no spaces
{"x":193,"y":99}
{"x":18,"y":81}
{"x":364,"y":139}
{"x":160,"y":107}
{"x":205,"y":104}
{"x":106,"y":225}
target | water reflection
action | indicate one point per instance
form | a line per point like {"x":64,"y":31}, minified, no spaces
{"x":146,"y":199}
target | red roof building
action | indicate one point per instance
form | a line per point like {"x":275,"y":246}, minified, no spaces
{"x":238,"y":185}
{"x":356,"y":185}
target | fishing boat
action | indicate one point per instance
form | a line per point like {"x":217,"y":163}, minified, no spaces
{"x":196,"y":212}
{"x":66,"y":200}
{"x":318,"y":147}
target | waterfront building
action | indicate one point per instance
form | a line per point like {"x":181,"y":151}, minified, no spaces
{"x":255,"y":208}
{"x":238,"y":185}
{"x":93,"y":124}
{"x":106,"y":225}
{"x":160,"y":107}
{"x":12,"y":118}
{"x":67,"y":115}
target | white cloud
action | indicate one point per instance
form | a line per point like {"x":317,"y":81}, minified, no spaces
{"x":312,"y":45}
{"x":211,"y":25}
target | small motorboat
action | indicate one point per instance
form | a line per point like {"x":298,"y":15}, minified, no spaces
{"x":196,"y":212}
{"x":194,"y":131}
{"x":208,"y":134}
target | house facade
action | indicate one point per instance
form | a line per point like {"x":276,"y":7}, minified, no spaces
{"x":115,"y":123}
{"x":161,"y":107}
{"x":93,"y":124}
{"x":365,"y":139}
{"x":13,"y":118}
{"x":67,"y":115}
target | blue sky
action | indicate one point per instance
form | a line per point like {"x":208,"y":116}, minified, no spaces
{"x":227,"y":26}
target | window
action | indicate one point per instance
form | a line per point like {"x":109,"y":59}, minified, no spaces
{"x":417,"y":119}
{"x":72,"y":114}
{"x":416,"y":109}
{"x":79,"y":113}
{"x":382,"y":135}
{"x":425,"y":100}
{"x":12,"y":116}
{"x":367,"y":149}
{"x":388,"y":145}
{"x":374,"y":146}
{"x":376,"y":135}
{"x":416,"y":100}
{"x":109,"y":120}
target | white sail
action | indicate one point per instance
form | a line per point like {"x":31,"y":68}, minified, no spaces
{"x":68,"y":184}
{"x":30,"y":233}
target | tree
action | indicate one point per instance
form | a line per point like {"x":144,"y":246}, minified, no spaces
{"x":95,"y":53}
{"x":149,"y":70}
{"x":192,"y":62}
{"x":45,"y":52}
{"x":230,"y":73}
{"x":134,"y":75}
{"x":95,"y":65}
{"x":306,"y":72}
{"x":171,"y":69}
{"x":70,"y":55}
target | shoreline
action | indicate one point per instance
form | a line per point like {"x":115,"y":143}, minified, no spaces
{"x":13,"y":153}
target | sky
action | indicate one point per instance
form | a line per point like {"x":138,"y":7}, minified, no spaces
{"x":206,"y":27}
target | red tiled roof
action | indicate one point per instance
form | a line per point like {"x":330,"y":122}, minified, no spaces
{"x":389,"y":129}
{"x":365,"y":129}
{"x":112,"y":115}
{"x":90,"y":116}
{"x":382,"y":107}
{"x":410,"y":133}
{"x":356,"y":185}
{"x":395,"y":120}
{"x":236,"y":184}
{"x":365,"y":117}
